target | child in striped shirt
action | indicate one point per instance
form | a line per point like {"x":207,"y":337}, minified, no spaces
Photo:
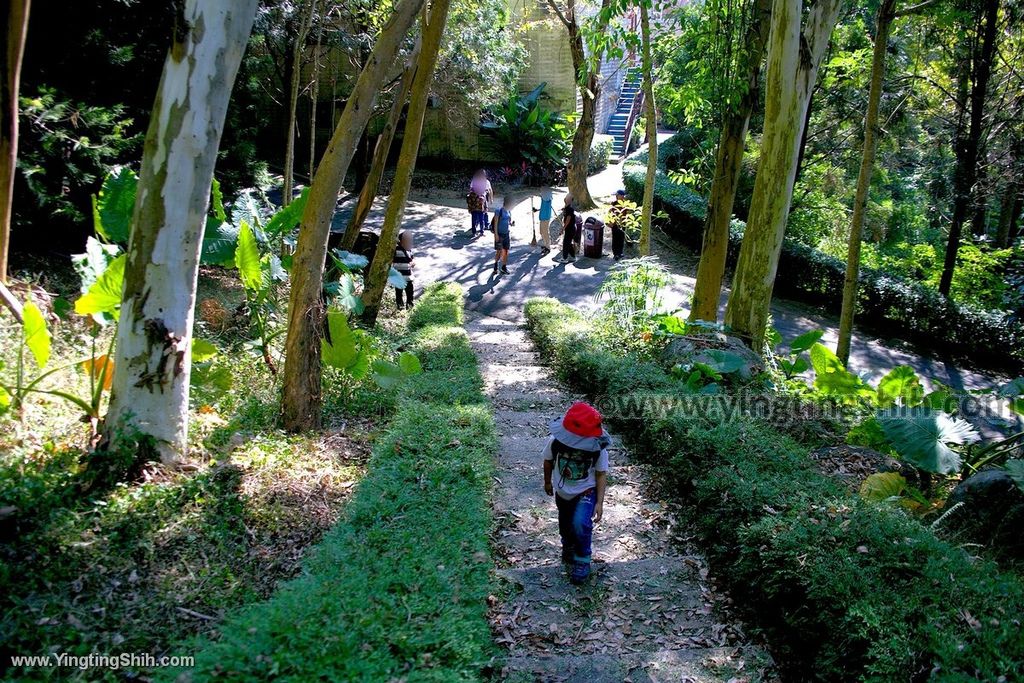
{"x":403,"y":263}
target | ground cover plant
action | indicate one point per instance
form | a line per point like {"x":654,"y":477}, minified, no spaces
{"x":398,"y":589}
{"x":844,"y":588}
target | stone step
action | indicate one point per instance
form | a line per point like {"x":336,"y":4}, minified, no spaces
{"x":633,"y":606}
{"x":696,"y":665}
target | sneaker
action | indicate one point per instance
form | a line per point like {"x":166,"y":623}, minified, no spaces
{"x":580,"y":573}
{"x":504,"y":270}
{"x":495,"y":269}
{"x":558,"y":259}
{"x":544,"y":251}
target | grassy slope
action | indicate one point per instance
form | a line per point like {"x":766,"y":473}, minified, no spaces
{"x":398,"y":588}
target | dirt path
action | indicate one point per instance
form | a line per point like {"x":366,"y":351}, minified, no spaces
{"x":648,"y":613}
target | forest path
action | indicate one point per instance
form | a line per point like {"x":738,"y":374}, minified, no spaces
{"x":647,"y":614}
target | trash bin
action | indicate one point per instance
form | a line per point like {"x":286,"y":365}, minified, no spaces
{"x":593,"y":237}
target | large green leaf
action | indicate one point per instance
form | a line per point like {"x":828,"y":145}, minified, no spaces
{"x":345,"y":296}
{"x":217,"y":202}
{"x":387,"y":374}
{"x":901,"y":384}
{"x":37,"y":335}
{"x":348,"y":260}
{"x":287,"y":218}
{"x":396,"y":279}
{"x":725,"y":362}
{"x":247,"y":259}
{"x":921,"y":436}
{"x":409,"y":363}
{"x":805,"y":341}
{"x":831,"y":378}
{"x":94,"y":261}
{"x":883,"y":486}
{"x":113,"y":207}
{"x":1015,"y":468}
{"x":342,"y":351}
{"x":219,"y":242}
{"x":203,"y":350}
{"x":104,"y":296}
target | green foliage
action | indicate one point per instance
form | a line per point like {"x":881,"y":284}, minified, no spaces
{"x":441,"y":304}
{"x":36,"y":333}
{"x":104,"y":296}
{"x":247,"y":259}
{"x":375,"y":602}
{"x":113,"y":207}
{"x":527,"y":133}
{"x":344,"y":348}
{"x":632,"y":294}
{"x":922,"y":436}
{"x":878,"y":594}
{"x":600,"y":153}
{"x":832,"y":378}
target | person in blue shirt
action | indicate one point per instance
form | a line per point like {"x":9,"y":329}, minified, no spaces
{"x":544,"y":215}
{"x":501,"y":226}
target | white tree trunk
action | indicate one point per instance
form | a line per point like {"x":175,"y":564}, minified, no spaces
{"x":793,"y":60}
{"x":149,"y":403}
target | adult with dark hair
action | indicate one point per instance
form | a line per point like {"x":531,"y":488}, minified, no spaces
{"x":569,"y":220}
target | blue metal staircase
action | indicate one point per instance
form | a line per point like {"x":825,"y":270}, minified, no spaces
{"x":620,"y":125}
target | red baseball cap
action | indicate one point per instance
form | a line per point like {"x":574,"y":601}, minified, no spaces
{"x":582,"y":419}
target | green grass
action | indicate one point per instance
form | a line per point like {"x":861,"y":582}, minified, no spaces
{"x":397,"y":590}
{"x":143,"y":564}
{"x":843,"y":589}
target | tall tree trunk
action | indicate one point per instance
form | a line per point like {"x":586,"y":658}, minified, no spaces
{"x":380,"y":155}
{"x":301,"y":394}
{"x":883,"y":24}
{"x":728,"y":163}
{"x":13,"y":48}
{"x":793,"y":60}
{"x":587,"y":80}
{"x":314,"y":95}
{"x":152,"y":365}
{"x":293,"y":101}
{"x":966,"y":146}
{"x":1007,"y":205}
{"x":651,"y":112}
{"x":377,"y":276}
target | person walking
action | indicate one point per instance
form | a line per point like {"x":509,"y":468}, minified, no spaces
{"x":501,"y":226}
{"x":477,"y":201}
{"x":617,"y":221}
{"x":544,"y":214}
{"x":568,"y":232}
{"x":403,"y":263}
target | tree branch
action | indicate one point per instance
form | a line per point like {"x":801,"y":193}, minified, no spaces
{"x":914,"y":9}
{"x":558,"y":11}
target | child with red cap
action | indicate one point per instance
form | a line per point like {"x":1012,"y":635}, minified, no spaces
{"x":577,"y":453}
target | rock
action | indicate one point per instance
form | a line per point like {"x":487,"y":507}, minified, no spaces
{"x":991,"y":512}
{"x":854,"y":464}
{"x":694,"y":349}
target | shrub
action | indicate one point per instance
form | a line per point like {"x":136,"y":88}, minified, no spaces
{"x":399,"y":588}
{"x":844,"y":589}
{"x":918,"y":311}
{"x":600,"y":154}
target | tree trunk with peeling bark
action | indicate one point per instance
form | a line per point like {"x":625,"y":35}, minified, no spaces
{"x":651,"y":113}
{"x":728,"y":164}
{"x":149,"y":399}
{"x":794,"y":55}
{"x":293,"y":102}
{"x":883,"y":25}
{"x":12,"y":50}
{"x":301,"y":395}
{"x":380,"y":155}
{"x":377,"y":276}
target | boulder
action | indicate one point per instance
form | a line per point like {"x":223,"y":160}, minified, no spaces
{"x":854,"y":464}
{"x":990,"y":512}
{"x":690,"y":349}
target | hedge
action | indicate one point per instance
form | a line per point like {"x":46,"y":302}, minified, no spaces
{"x":917,"y":312}
{"x":600,"y":153}
{"x":841,"y":588}
{"x":398,"y":589}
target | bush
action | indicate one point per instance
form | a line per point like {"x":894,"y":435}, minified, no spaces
{"x":399,"y":588}
{"x":600,"y":154}
{"x":885,"y":303}
{"x":843,"y":589}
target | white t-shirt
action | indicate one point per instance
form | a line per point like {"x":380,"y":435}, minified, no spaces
{"x":574,"y":475}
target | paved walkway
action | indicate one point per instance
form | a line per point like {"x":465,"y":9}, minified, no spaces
{"x":648,"y":613}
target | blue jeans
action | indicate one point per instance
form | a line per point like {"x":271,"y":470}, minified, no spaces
{"x":479,"y":221}
{"x":576,"y":525}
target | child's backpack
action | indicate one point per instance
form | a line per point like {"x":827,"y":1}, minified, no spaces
{"x":474,"y":202}
{"x":573,"y":464}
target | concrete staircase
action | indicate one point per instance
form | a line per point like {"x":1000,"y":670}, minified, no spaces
{"x":647,"y":614}
{"x":620,"y":125}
